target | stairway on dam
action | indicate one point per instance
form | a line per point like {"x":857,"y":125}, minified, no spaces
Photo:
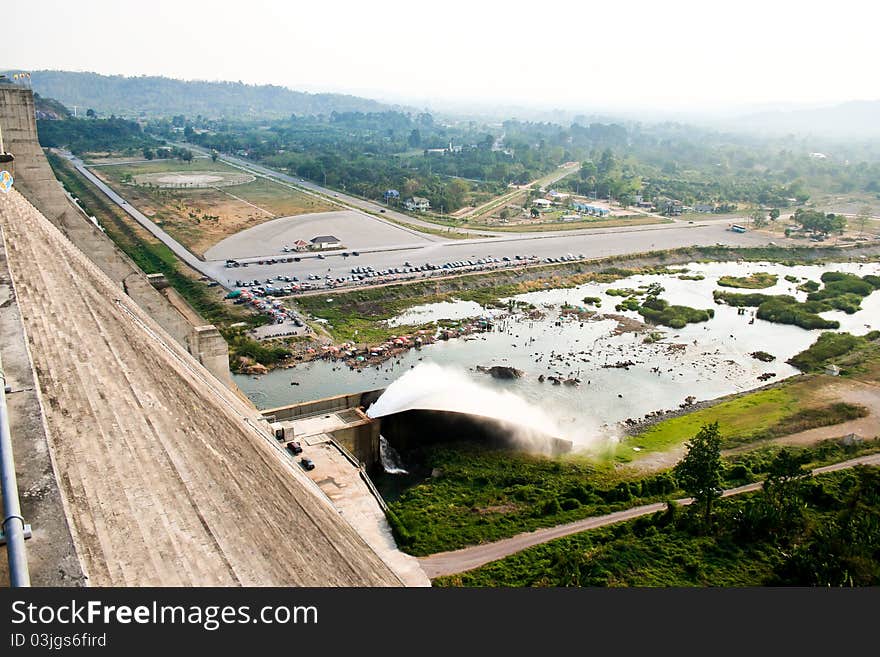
{"x":166,"y":476}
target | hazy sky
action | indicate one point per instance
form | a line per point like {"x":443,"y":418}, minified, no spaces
{"x":673,"y":54}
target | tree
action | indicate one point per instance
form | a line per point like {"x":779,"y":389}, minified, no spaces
{"x":782,"y":486}
{"x":699,"y":472}
{"x":535,"y":213}
{"x":415,"y":138}
{"x":774,"y":214}
{"x":91,"y":113}
{"x":862,"y":219}
{"x":148,"y":153}
{"x":213,"y":156}
{"x":818,"y":222}
{"x":759,"y":219}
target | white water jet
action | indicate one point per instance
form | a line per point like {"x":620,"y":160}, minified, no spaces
{"x":432,"y":387}
{"x":391,"y":461}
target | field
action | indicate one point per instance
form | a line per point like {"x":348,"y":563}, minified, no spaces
{"x":199,"y":218}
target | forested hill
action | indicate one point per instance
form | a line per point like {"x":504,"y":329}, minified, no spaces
{"x":160,"y":96}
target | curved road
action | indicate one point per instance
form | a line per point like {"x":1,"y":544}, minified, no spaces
{"x":459,"y":561}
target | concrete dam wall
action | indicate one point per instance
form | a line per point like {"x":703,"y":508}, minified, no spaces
{"x":36,"y":181}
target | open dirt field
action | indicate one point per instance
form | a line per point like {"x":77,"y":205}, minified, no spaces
{"x":204,"y":211}
{"x":193,"y":179}
{"x":355,"y":230}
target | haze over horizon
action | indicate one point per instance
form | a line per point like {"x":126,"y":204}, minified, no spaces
{"x":682,"y":57}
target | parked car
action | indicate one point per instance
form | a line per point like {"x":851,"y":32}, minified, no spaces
{"x":294,"y":448}
{"x":307,"y":463}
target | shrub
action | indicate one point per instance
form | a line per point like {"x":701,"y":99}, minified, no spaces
{"x":550,"y":507}
{"x":827,"y":347}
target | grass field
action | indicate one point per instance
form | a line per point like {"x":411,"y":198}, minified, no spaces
{"x":761,"y":415}
{"x":199,"y":218}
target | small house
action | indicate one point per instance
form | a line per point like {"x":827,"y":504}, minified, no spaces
{"x":417,"y":203}
{"x":326,"y":242}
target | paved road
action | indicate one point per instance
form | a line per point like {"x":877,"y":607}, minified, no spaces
{"x":179,"y":250}
{"x":459,"y":561}
{"x":595,"y":244}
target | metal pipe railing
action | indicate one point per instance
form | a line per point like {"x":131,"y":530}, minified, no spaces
{"x":13,"y":523}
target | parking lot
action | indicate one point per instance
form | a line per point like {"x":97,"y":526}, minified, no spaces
{"x":355,"y":230}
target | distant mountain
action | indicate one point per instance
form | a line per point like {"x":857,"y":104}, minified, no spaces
{"x":160,"y":96}
{"x":859,"y":118}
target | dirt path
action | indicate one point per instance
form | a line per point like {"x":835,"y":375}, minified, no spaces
{"x":459,"y":561}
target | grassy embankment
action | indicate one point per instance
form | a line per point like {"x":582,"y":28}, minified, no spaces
{"x":828,"y":541}
{"x":559,"y":225}
{"x":360,"y":315}
{"x":151,"y":256}
{"x":749,"y":418}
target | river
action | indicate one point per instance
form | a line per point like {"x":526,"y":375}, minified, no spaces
{"x":705,"y":360}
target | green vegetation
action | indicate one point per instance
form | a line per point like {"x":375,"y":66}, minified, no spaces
{"x":94,"y":135}
{"x":623,"y":292}
{"x":359,"y":315}
{"x":753,"y":416}
{"x":840,"y":292}
{"x":593,"y":301}
{"x":691,"y":277}
{"x":809,"y":286}
{"x":484,"y":494}
{"x":798,"y":531}
{"x":791,"y":279}
{"x":819,"y":222}
{"x":781,"y":309}
{"x":658,"y":311}
{"x":699,"y":472}
{"x":834,"y":348}
{"x":756,"y":281}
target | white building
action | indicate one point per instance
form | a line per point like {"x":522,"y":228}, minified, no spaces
{"x":417,"y":203}
{"x":326,"y":242}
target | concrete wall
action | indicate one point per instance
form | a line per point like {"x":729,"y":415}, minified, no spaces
{"x":36,"y":181}
{"x":362,"y":440}
{"x":211,"y":350}
{"x":327,"y":404}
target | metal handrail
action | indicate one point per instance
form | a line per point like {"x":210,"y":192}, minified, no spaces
{"x":13,"y":523}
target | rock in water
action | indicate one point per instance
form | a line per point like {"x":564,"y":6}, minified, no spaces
{"x":501,"y":371}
